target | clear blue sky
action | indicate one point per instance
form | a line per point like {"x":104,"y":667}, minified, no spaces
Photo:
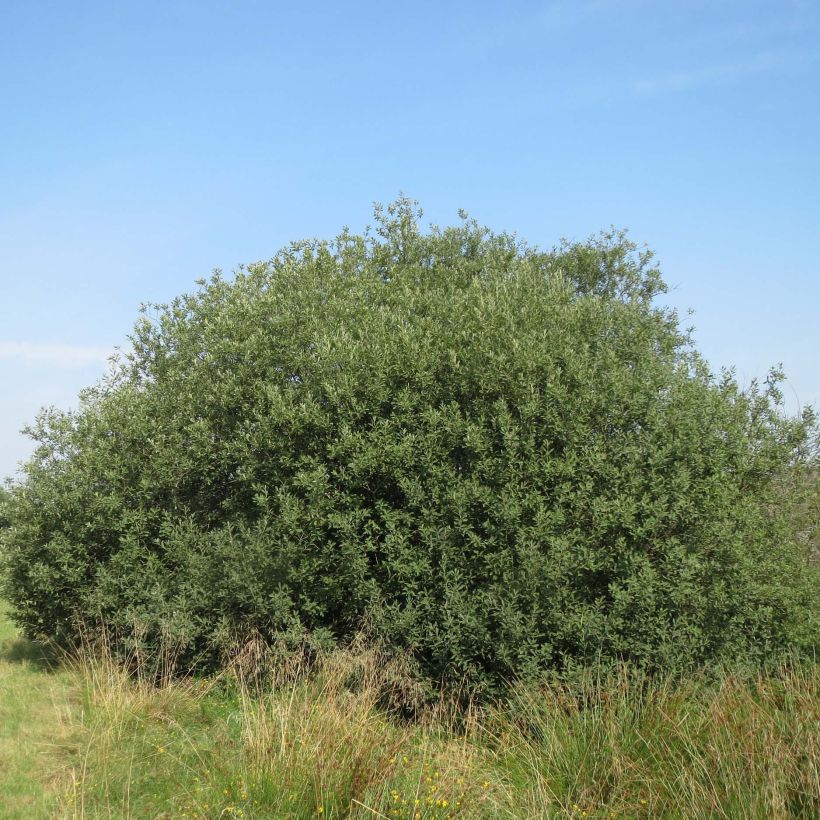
{"x":143,"y":144}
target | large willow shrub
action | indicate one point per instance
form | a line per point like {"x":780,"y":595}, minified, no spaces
{"x":501,"y":459}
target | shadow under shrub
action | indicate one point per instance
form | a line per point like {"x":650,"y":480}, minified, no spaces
{"x":504,"y":461}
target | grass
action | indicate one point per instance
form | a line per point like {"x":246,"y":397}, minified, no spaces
{"x":38,"y":716}
{"x":90,"y":741}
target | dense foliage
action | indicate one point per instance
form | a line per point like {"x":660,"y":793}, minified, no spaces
{"x":5,"y":498}
{"x":502,"y":459}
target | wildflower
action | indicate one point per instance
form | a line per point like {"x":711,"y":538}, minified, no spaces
{"x":320,"y":810}
{"x":485,"y":785}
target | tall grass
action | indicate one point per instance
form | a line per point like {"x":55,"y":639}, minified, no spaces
{"x":306,"y":742}
{"x":630,"y":747}
{"x":315,"y":740}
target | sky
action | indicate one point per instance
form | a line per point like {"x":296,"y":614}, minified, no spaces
{"x":143,"y":144}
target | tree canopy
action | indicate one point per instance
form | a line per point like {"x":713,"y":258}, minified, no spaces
{"x":499,"y":459}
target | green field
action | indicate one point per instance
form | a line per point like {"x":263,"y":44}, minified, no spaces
{"x":39,"y":711}
{"x":85,"y":740}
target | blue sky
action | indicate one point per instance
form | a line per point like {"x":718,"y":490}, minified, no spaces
{"x":143,"y":144}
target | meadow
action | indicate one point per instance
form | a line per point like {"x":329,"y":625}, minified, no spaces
{"x":81,"y":738}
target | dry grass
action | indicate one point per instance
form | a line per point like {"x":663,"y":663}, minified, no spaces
{"x":315,"y":741}
{"x":269,"y":738}
{"x":311,"y":742}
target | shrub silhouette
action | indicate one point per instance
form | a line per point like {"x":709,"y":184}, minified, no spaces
{"x":500,"y":459}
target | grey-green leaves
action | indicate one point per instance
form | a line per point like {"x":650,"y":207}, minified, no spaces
{"x":503,"y":460}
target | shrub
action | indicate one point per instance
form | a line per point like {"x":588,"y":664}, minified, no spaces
{"x":499,"y":459}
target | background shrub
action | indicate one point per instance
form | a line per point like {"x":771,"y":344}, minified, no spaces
{"x":501,"y":459}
